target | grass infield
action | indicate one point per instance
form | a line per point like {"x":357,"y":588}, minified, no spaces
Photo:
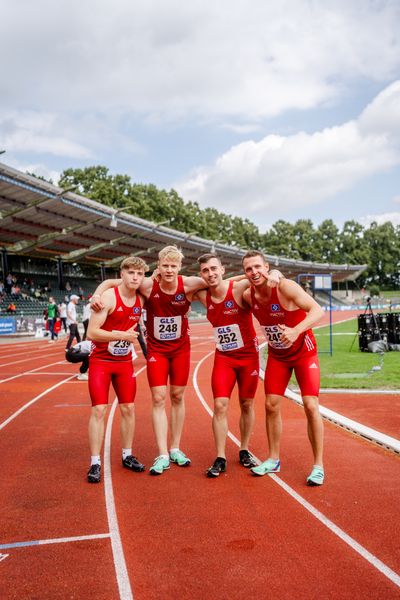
{"x":353,"y":369}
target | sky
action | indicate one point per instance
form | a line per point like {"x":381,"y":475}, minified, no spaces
{"x":263,"y":109}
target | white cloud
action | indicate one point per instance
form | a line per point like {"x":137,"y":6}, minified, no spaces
{"x":37,"y":132}
{"x":177,"y":60}
{"x":393,"y":217}
{"x":278,"y":174}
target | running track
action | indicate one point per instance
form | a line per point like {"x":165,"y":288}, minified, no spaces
{"x":181,"y":535}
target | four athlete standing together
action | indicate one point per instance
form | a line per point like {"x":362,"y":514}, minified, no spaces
{"x":286,"y":314}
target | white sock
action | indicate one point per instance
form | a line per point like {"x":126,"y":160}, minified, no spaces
{"x":126,"y":452}
{"x":95,"y":460}
{"x":164,"y":456}
{"x":174,"y":450}
{"x":318,"y":467}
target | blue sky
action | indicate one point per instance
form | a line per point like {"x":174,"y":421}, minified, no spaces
{"x":263,"y":109}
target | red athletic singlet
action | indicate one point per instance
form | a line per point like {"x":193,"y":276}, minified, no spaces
{"x":233,"y":326}
{"x":122,"y":318}
{"x":167,"y":322}
{"x":271,"y":314}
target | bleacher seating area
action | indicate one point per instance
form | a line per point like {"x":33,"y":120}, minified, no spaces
{"x":33,"y":298}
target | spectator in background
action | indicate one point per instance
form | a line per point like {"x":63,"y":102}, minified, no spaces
{"x":11,"y":308}
{"x":8,"y":283}
{"x":72,"y":321}
{"x":68,"y":287}
{"x":62,"y":311}
{"x":52,"y":313}
{"x":86,"y":317}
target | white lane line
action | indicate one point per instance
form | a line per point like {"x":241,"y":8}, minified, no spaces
{"x":49,"y":373}
{"x":78,"y":538}
{"x":368,"y":556}
{"x":16,"y":362}
{"x":28,"y":404}
{"x":359,"y":391}
{"x":59,"y":362}
{"x":124,"y":586}
{"x":31,"y":351}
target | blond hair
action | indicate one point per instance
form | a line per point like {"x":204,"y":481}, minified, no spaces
{"x":134,"y":262}
{"x":171,"y":253}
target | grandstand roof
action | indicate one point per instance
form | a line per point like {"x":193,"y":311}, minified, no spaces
{"x":39,"y":219}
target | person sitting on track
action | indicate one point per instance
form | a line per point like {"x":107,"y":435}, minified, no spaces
{"x":112,"y":331}
{"x":168,"y":299}
{"x":286,"y":315}
{"x":236,"y":355}
{"x":80,"y":354}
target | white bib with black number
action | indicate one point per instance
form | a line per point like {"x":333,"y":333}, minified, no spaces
{"x":273,"y":336}
{"x":228,"y":338}
{"x":119,"y":348}
{"x":167,"y":328}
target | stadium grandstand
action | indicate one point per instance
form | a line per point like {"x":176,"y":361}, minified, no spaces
{"x":56,"y":242}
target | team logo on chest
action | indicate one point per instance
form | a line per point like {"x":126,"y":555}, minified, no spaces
{"x":230,"y":305}
{"x":136,"y":310}
{"x":276,"y":310}
{"x":179,"y":299}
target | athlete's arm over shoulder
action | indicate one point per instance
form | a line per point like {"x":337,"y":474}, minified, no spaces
{"x":193,"y":284}
{"x":97,"y":319}
{"x":247,"y":296}
{"x":201,"y":296}
{"x":105,"y":285}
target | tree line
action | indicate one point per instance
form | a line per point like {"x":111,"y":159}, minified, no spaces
{"x":378,"y":246}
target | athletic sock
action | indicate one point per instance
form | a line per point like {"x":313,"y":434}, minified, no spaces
{"x":95,"y":460}
{"x":126,"y":452}
{"x":166,"y":456}
{"x":174,"y":450}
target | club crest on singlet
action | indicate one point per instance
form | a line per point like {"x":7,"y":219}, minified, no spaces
{"x":179,"y":299}
{"x":275,"y":307}
{"x":229,"y":304}
{"x":136,"y":310}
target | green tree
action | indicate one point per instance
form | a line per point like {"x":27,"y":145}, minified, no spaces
{"x":384,"y":263}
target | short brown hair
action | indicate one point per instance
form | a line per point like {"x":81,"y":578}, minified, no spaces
{"x":252,"y":254}
{"x":134,"y":262}
{"x":204,"y":258}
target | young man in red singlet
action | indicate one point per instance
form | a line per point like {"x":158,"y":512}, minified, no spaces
{"x":168,"y":300}
{"x":112,"y":331}
{"x":286,"y":314}
{"x":236,"y":356}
